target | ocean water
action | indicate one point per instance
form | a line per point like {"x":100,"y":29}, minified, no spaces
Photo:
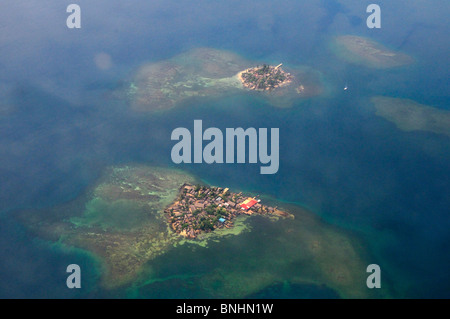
{"x":388,"y":188}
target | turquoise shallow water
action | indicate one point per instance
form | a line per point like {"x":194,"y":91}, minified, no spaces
{"x":351,"y":168}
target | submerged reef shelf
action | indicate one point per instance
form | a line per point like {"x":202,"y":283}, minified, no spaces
{"x":125,"y":220}
{"x":207,"y":72}
{"x":409,"y":115}
{"x":366,"y":52}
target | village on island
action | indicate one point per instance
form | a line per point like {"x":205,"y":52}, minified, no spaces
{"x":199,"y":209}
{"x":264,"y":78}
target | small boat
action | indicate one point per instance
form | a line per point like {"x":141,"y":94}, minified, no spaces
{"x":346,"y":87}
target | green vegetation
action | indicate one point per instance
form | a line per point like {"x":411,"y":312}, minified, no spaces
{"x":210,"y":210}
{"x":206,"y":224}
{"x":222,"y":212}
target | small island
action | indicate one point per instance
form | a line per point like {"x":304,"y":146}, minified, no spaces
{"x":264,"y":78}
{"x":123,"y":221}
{"x":200,"y":209}
{"x":211,"y":73}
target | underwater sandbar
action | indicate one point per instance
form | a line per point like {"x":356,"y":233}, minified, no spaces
{"x":367,"y":52}
{"x":409,"y":115}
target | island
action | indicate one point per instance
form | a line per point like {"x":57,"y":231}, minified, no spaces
{"x":207,"y":72}
{"x":264,"y":78}
{"x":366,"y":52}
{"x":123,"y":223}
{"x":201,"y":209}
{"x":409,"y":115}
{"x":133,"y":214}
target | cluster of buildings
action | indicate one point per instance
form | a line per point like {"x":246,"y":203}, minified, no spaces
{"x":202,"y":209}
{"x":264,"y":78}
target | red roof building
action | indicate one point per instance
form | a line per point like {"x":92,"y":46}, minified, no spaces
{"x":249,"y":202}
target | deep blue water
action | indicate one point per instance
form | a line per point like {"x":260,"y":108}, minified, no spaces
{"x":337,"y":158}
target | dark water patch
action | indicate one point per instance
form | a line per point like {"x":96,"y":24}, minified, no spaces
{"x":43,"y":145}
{"x":288,"y":290}
{"x":36,"y":269}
